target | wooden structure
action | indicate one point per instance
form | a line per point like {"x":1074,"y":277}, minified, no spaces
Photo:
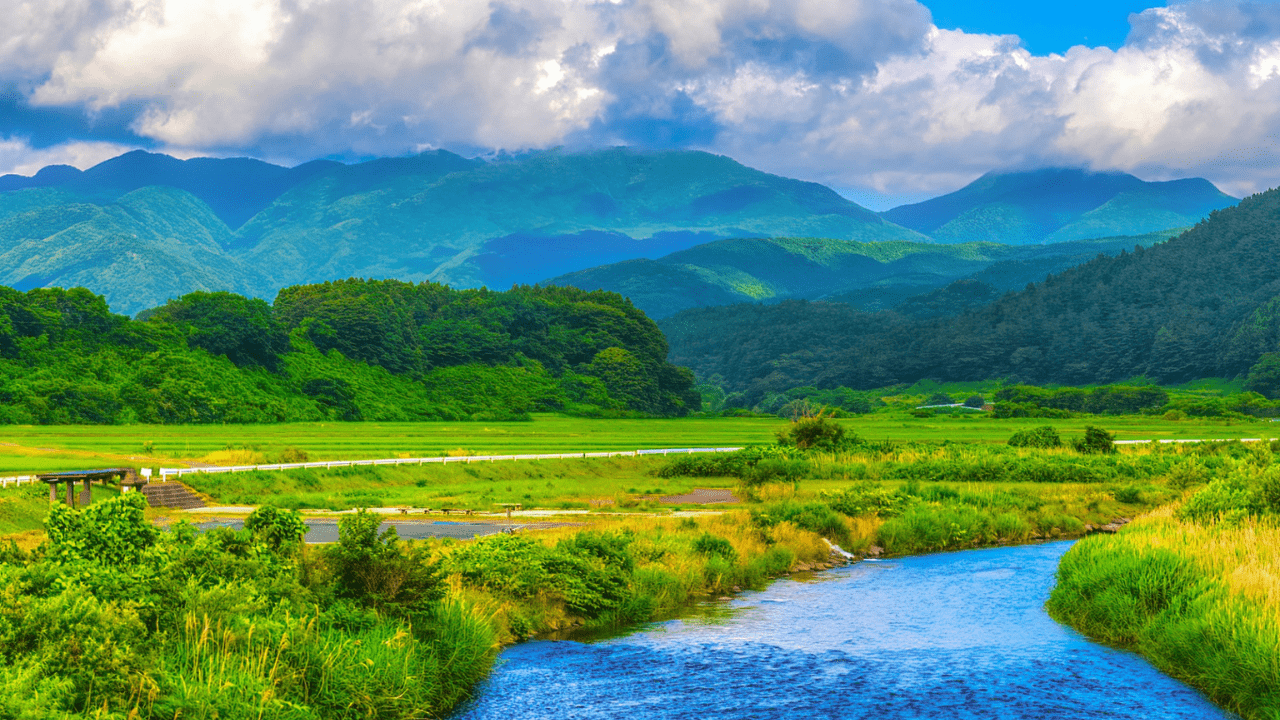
{"x":127,"y":477}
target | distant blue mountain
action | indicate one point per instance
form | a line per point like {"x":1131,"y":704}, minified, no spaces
{"x":256,"y":227}
{"x":235,"y":189}
{"x":1059,"y":204}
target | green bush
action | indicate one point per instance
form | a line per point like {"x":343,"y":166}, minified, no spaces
{"x":1129,"y":495}
{"x":1227,"y":499}
{"x":1094,"y":441}
{"x":280,"y":530}
{"x":867,"y":498}
{"x":815,"y":432}
{"x":1045,"y":436}
{"x":815,"y":517}
{"x":714,"y":545}
{"x":376,"y":569}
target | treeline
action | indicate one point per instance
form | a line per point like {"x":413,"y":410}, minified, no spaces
{"x":348,"y":350}
{"x":1204,"y":304}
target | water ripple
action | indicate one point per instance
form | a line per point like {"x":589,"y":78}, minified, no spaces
{"x":956,"y":635}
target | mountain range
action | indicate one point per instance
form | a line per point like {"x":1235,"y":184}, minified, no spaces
{"x":1059,"y":204}
{"x":142,"y":228}
{"x":1203,"y":304}
{"x":869,"y":276}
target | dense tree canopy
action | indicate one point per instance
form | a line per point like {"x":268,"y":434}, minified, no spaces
{"x":348,"y":350}
{"x":1204,"y":304}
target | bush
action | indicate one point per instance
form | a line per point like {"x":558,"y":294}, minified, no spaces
{"x":1185,"y":474}
{"x":815,"y":517}
{"x":1094,"y":441}
{"x":1228,"y":499}
{"x":975,"y":401}
{"x":113,"y":532}
{"x":714,"y":545}
{"x":815,"y":432}
{"x":867,"y":498}
{"x":1129,"y":495}
{"x":375,"y":569}
{"x":1045,"y":436}
{"x":279,"y":530}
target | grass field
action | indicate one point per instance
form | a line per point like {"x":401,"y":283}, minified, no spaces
{"x":599,"y":483}
{"x":43,"y":448}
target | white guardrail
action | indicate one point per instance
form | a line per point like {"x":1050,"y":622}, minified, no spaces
{"x":179,"y":472}
{"x":325,"y":465}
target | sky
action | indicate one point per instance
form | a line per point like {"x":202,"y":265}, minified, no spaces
{"x":884,"y":100}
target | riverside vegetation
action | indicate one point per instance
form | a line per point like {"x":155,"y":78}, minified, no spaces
{"x":1194,"y":586}
{"x":164,"y":619}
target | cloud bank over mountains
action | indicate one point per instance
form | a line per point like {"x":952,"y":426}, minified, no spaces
{"x":860,"y":93}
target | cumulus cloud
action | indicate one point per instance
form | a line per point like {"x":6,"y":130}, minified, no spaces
{"x":18,"y":157}
{"x":858,"y":93}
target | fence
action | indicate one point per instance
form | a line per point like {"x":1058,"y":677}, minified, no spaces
{"x":179,"y":472}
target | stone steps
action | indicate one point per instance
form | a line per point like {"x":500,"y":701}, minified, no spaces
{"x":171,"y":495}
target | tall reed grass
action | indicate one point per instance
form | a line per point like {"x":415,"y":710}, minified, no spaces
{"x":1201,"y":601}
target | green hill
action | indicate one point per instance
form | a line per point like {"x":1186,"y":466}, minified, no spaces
{"x":148,"y":245}
{"x":1203,"y":304}
{"x":350,"y":350}
{"x":868,"y":275}
{"x":1057,"y":204}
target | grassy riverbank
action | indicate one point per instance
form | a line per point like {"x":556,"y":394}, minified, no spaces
{"x":291,"y":631}
{"x":1194,"y":587}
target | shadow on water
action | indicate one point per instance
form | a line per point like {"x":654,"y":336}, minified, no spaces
{"x":954,"y":635}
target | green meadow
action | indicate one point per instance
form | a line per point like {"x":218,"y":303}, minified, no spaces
{"x":42,"y":448}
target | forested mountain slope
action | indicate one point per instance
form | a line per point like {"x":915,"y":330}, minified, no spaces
{"x":437,"y":216}
{"x":350,"y":350}
{"x":866,"y":275}
{"x":1202,"y":304}
{"x":1059,"y":204}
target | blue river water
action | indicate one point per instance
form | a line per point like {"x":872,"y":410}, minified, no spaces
{"x":956,"y":635}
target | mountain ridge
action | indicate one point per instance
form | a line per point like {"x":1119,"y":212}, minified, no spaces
{"x":1058,"y":204}
{"x":436,"y":216}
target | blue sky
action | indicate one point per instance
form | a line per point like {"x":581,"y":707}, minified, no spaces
{"x":1043,"y":27}
{"x":885,"y":100}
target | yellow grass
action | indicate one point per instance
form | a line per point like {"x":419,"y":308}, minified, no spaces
{"x":1245,"y":556}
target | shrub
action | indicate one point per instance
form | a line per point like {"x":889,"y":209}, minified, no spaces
{"x":867,"y":498}
{"x":776,"y":470}
{"x":1129,"y":495}
{"x":1094,"y":441}
{"x":815,"y":517}
{"x":279,"y":530}
{"x":375,"y":568}
{"x":975,"y":401}
{"x":1185,"y":474}
{"x":714,"y":545}
{"x":1045,"y":436}
{"x":112,"y":532}
{"x":1227,"y":499}
{"x":816,"y":431}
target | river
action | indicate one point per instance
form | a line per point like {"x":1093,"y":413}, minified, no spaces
{"x":954,"y":635}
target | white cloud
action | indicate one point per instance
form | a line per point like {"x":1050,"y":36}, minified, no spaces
{"x":19,"y":158}
{"x":857,"y":93}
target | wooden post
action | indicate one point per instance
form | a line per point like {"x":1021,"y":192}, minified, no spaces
{"x":71,"y":493}
{"x":53,"y":492}
{"x":86,"y":495}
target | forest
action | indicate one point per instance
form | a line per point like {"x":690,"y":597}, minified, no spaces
{"x":347,"y":350}
{"x":1203,"y":304}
